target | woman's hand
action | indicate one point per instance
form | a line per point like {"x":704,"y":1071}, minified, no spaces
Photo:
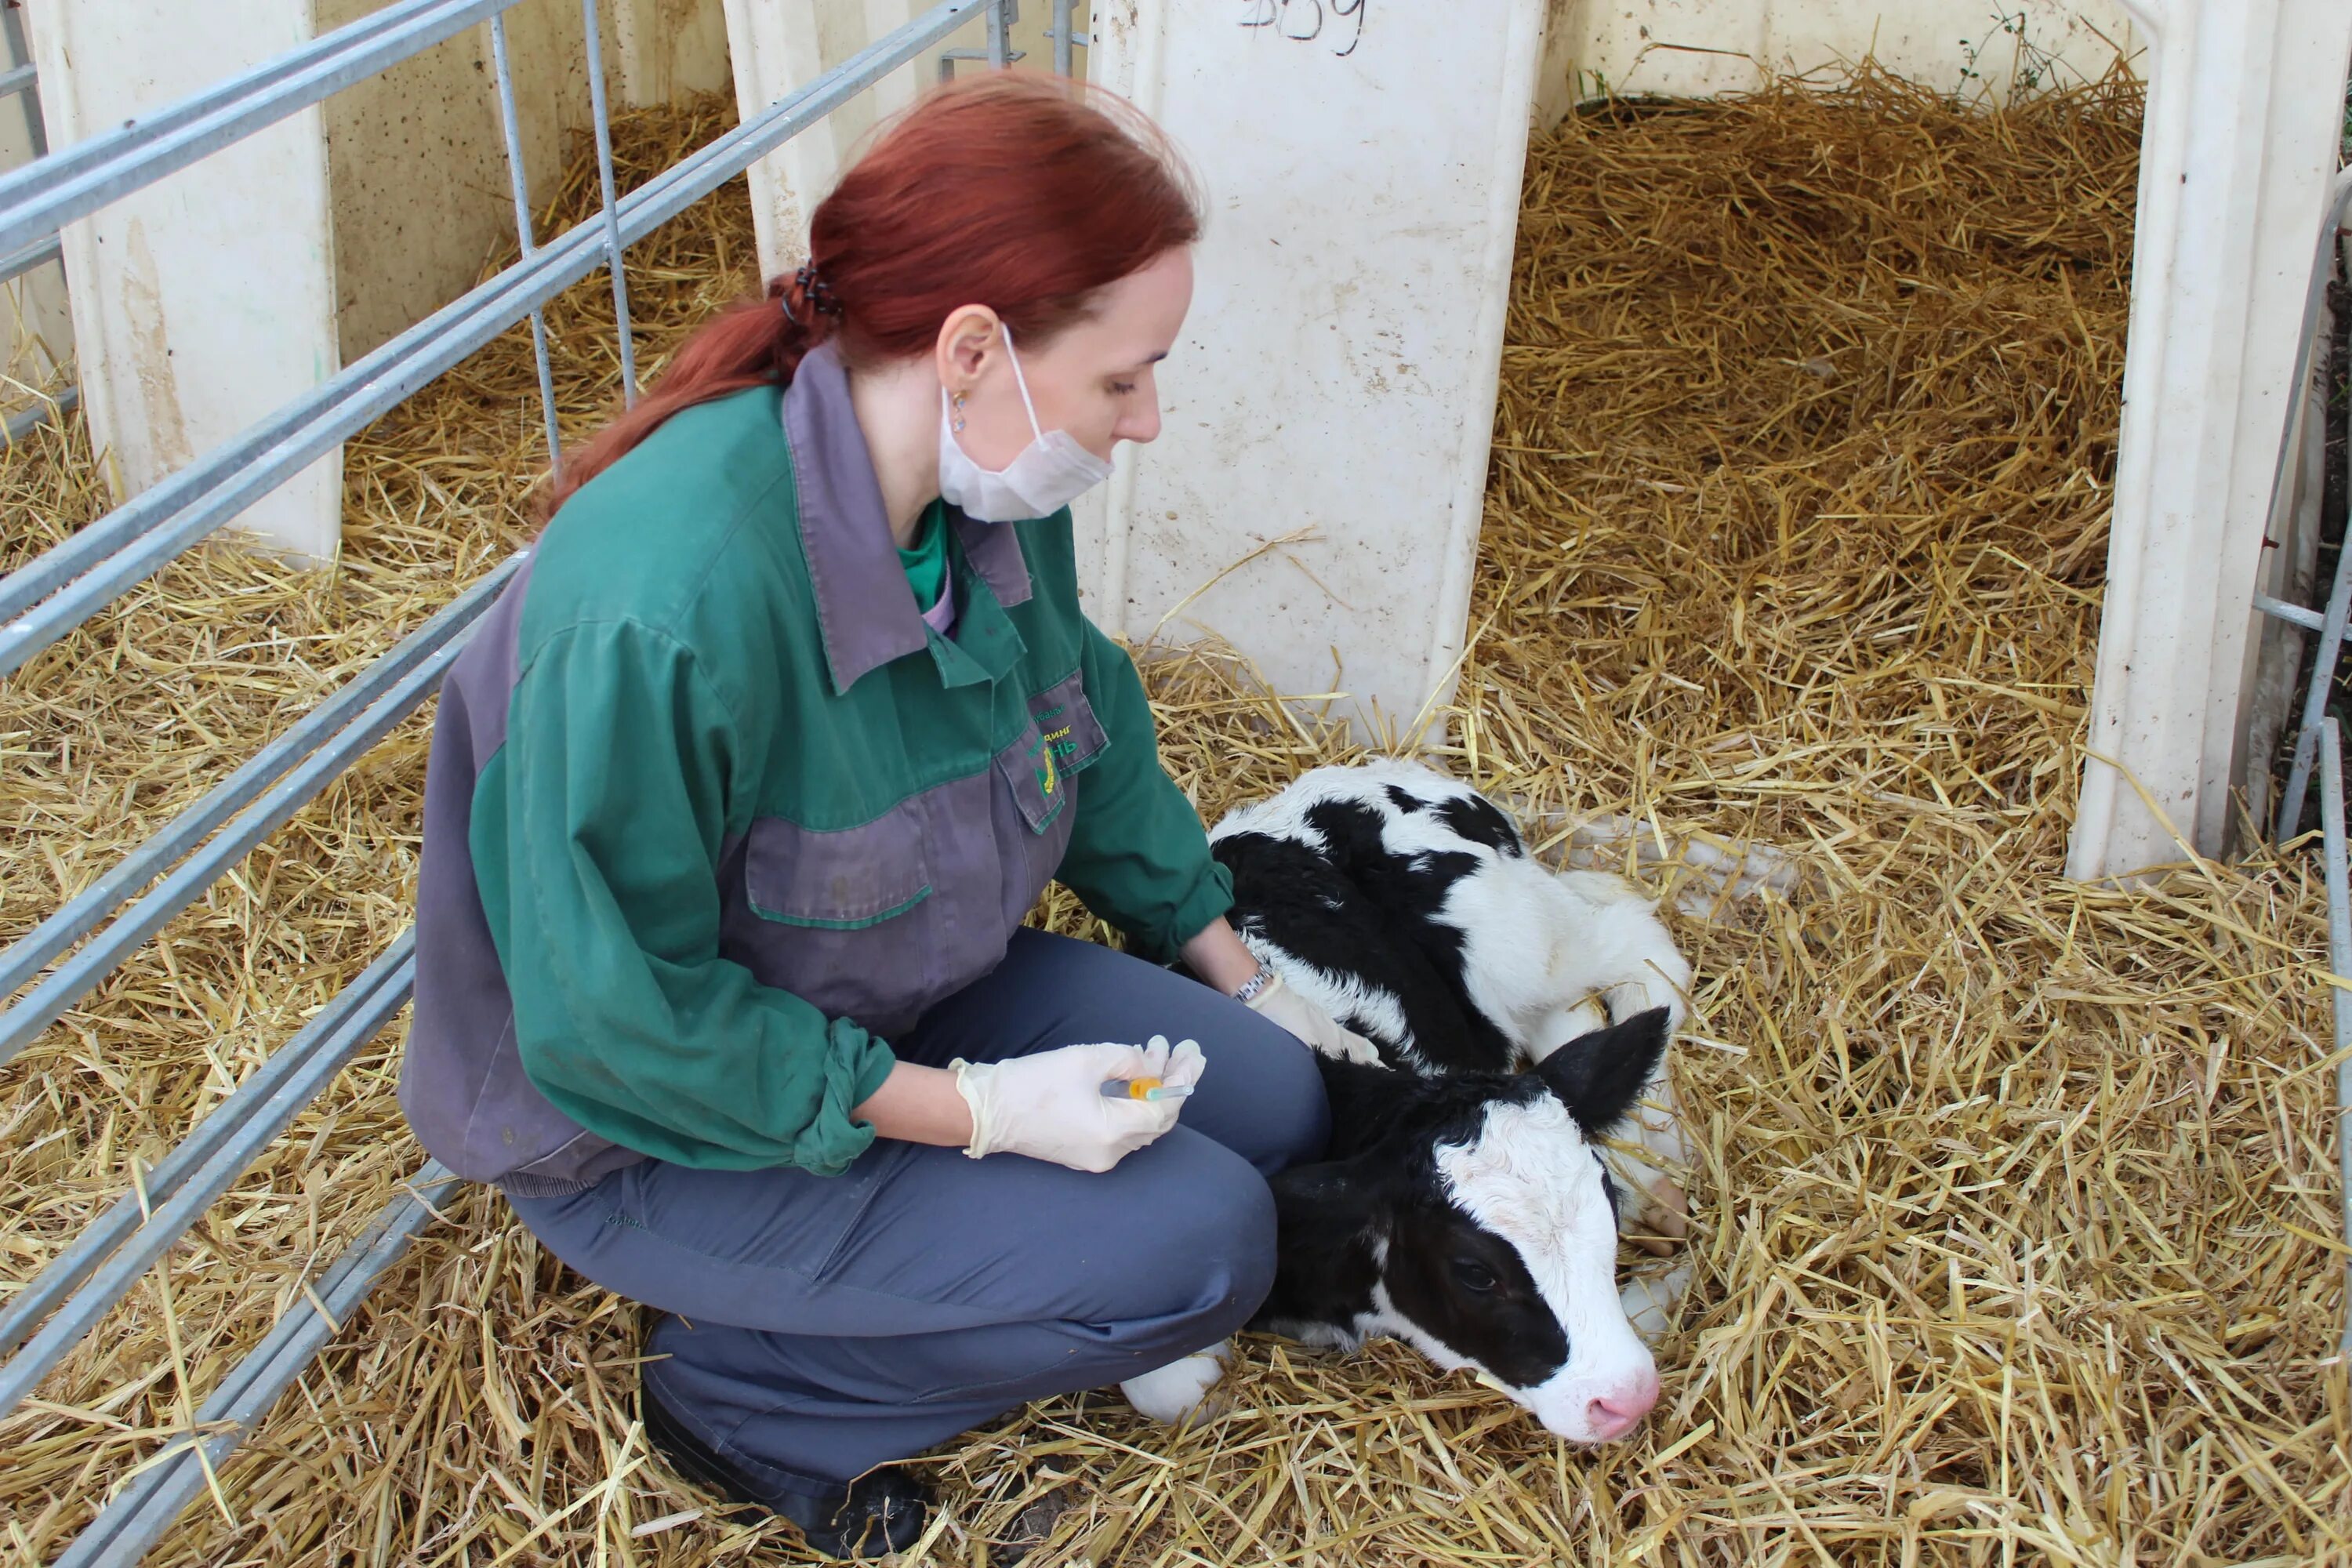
{"x":1280,"y":1004}
{"x":1051,"y":1106}
{"x":1220,"y":959}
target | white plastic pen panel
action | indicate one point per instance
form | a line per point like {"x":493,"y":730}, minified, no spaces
{"x":1335,"y":385}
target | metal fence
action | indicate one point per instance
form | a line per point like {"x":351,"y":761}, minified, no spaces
{"x":51,"y":596}
{"x":21,"y":81}
{"x":2318,"y":743}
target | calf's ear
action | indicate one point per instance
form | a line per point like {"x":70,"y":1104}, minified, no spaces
{"x":1598,"y":1076}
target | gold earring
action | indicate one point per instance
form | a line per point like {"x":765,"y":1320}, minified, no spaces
{"x":957,"y":423}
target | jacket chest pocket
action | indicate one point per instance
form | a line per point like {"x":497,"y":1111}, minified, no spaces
{"x":843,"y":920}
{"x":844,"y":879}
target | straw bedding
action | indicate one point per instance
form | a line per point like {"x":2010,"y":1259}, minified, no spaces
{"x":2015,"y":1199}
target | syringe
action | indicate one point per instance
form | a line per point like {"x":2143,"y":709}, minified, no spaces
{"x":1143,"y":1089}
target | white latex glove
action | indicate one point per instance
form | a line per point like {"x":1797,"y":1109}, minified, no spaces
{"x":1279,"y":1004}
{"x":1051,"y":1106}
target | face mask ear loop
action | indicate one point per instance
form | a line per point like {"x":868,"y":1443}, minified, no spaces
{"x":1020,"y":381}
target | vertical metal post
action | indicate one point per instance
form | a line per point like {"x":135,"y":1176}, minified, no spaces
{"x":614,"y":255}
{"x":20,"y":53}
{"x":20,"y":57}
{"x":1002,"y":14}
{"x":2339,"y":598}
{"x":520,"y":181}
{"x":1063,"y":64}
{"x":2315,"y":697}
{"x":2339,"y":962}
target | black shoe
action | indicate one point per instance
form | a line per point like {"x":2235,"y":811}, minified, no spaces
{"x":874,"y":1515}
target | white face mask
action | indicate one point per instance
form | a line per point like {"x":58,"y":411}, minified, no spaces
{"x":1050,"y":472}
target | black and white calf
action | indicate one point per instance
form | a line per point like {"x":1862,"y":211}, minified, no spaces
{"x":1466,"y":1205}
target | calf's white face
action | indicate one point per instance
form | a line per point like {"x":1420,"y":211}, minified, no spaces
{"x":1470,"y":1216}
{"x":1530,"y":1178}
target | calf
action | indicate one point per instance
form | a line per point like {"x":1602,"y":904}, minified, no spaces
{"x":1466,"y":1206}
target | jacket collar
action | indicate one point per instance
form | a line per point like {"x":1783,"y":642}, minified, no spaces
{"x":863,"y":608}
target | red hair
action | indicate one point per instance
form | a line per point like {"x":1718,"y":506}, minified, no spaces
{"x":1022,"y":193}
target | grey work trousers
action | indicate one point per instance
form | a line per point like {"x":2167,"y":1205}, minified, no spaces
{"x":818,"y":1326}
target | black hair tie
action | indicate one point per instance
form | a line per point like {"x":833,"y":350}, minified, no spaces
{"x":815,"y":291}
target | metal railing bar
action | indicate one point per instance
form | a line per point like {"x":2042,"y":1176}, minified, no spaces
{"x":43,"y":576}
{"x":158,"y":527}
{"x":43,"y":196}
{"x":25,"y":422}
{"x":130,"y":1524}
{"x":520,"y":179}
{"x":36,"y":255}
{"x":29,"y":953}
{"x":615,"y":257}
{"x":102,"y":1235}
{"x":206,"y":1164}
{"x":1064,"y":37}
{"x":20,"y":79}
{"x":299,"y":433}
{"x":2340,"y":961}
{"x":229,"y":90}
{"x":2314,"y":699}
{"x":2295,"y":615}
{"x":90,"y":546}
{"x":947,"y":58}
{"x":2314,"y":702}
{"x":79,"y":976}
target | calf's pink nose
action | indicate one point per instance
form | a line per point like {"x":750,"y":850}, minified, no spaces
{"x":1618,"y":1411}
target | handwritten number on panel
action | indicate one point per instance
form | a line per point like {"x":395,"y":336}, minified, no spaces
{"x":1303,"y":21}
{"x":1355,"y":8}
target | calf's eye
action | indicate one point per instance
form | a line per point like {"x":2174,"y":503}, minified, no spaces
{"x":1472,"y":1275}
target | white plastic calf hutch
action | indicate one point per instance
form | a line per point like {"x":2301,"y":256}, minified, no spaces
{"x":268,"y":212}
{"x":1340,"y":368}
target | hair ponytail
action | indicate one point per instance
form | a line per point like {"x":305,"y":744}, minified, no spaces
{"x":1024,"y":193}
{"x":753,"y":342}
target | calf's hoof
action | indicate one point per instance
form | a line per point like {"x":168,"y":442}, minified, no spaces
{"x":1183,"y":1390}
